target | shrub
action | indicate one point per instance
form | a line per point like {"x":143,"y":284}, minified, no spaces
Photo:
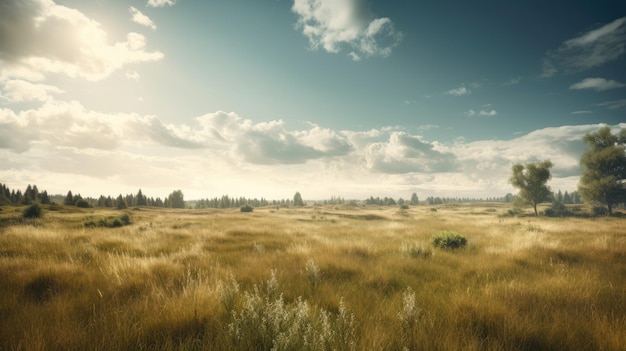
{"x":246,"y":208}
{"x":110,"y":222}
{"x":404,"y":207}
{"x":33,"y":211}
{"x":599,"y":211}
{"x":449,"y":240}
{"x":557,"y":209}
{"x":82,"y":203}
{"x":415,"y":250}
{"x":125,"y":219}
{"x":267,"y":321}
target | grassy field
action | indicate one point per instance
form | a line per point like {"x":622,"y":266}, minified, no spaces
{"x":314,"y":278}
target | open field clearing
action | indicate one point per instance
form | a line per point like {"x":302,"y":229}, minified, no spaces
{"x":313,"y":278}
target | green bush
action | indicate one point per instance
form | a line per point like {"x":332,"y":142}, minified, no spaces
{"x":557,"y":209}
{"x":33,"y":211}
{"x":82,"y":203}
{"x":109,"y":222}
{"x":404,"y":207}
{"x":246,"y":208}
{"x":449,"y":240}
{"x":599,"y":211}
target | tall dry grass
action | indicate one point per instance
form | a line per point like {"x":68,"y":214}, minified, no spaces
{"x":318,"y":278}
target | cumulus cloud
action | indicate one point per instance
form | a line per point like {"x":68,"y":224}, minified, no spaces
{"x":590,"y":49}
{"x":38,"y":37}
{"x":161,"y":3}
{"x":404,"y":153}
{"x":271,"y":142}
{"x":337,"y":25}
{"x":139,"y":18}
{"x":597,"y":84}
{"x":460,"y":91}
{"x":16,"y":90}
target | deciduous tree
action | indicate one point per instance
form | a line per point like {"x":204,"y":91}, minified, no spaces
{"x":531,"y":180}
{"x":604,"y":162}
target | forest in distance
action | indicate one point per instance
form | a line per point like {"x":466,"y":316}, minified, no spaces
{"x":32,"y":194}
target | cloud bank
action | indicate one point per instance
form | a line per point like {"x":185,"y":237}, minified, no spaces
{"x":120,"y":148}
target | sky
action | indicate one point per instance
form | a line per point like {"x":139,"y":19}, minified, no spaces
{"x":263,"y":98}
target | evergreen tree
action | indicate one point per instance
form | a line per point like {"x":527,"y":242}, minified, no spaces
{"x":120,"y":203}
{"x":567,"y":199}
{"x":44,"y":198}
{"x":142,"y":200}
{"x":414,"y":199}
{"x":176,"y":199}
{"x":297,"y":199}
{"x":69,"y":199}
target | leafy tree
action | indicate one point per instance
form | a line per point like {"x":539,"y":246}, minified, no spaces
{"x":604,"y":176}
{"x":176,"y":199}
{"x":531,"y":180}
{"x":297,"y":199}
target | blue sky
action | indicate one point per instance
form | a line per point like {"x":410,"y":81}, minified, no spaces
{"x":267,"y":97}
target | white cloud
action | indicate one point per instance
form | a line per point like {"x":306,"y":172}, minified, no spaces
{"x":487,"y":112}
{"x":17,"y":90}
{"x":404,"y":153}
{"x":133,"y":75}
{"x":335,"y":25}
{"x":590,"y":49}
{"x":140,"y":18}
{"x":41,"y":37}
{"x":161,"y":3}
{"x":460,"y":91}
{"x":470,"y":113}
{"x":65,"y":140}
{"x":614,"y":105}
{"x":582,"y":112}
{"x":513,"y":81}
{"x":597,"y":84}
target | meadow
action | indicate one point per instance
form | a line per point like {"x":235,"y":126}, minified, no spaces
{"x":312,"y":278}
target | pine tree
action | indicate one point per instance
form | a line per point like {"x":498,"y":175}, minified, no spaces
{"x":69,"y":199}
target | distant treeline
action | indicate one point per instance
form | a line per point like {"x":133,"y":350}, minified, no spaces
{"x":16,"y":197}
{"x":176,"y":200}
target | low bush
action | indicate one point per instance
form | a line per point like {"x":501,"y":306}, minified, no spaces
{"x":449,"y":240}
{"x":557,"y":209}
{"x":33,"y":211}
{"x":415,"y":250}
{"x":110,"y":222}
{"x":598,"y":211}
{"x":266,"y":321}
{"x":246,"y":208}
{"x":82,"y":203}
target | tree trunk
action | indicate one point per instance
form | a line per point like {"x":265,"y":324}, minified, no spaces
{"x":535,"y":207}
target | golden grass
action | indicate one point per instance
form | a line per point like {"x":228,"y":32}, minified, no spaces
{"x":186,"y":279}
